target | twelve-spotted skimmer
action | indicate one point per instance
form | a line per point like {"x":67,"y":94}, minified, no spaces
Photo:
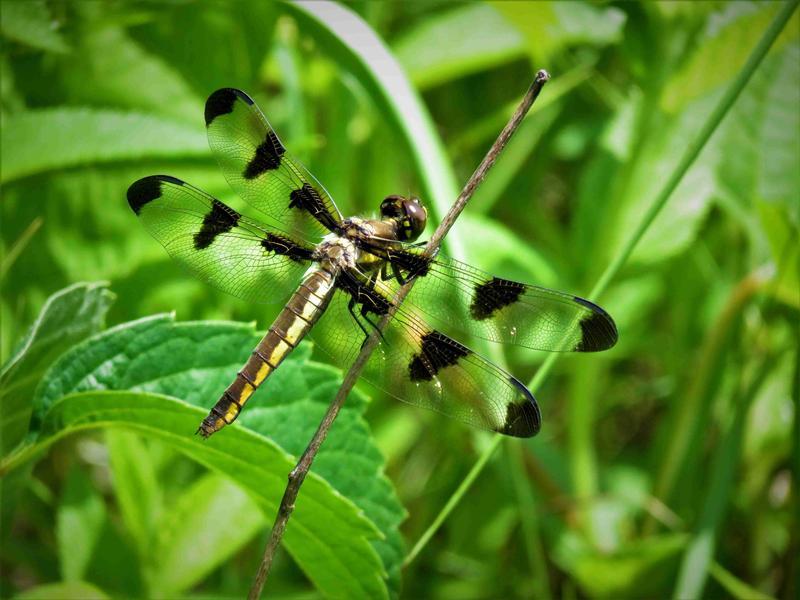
{"x":348,"y":272}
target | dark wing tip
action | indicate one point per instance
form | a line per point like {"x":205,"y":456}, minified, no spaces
{"x":221,"y":103}
{"x":146,"y":190}
{"x":523,"y":419}
{"x":598,"y":330}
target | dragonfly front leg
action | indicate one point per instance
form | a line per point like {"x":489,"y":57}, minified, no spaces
{"x":394,"y":274}
{"x":366,"y":308}
{"x":350,"y":306}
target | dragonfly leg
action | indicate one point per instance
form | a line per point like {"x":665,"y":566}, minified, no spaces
{"x":350,"y":306}
{"x":365,"y":309}
{"x":395,"y":273}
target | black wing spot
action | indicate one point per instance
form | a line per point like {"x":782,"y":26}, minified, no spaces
{"x":437,"y":352}
{"x":267,"y":157}
{"x":286,"y":247}
{"x":523,"y":419}
{"x":147,"y":189}
{"x":598,"y":331}
{"x":220,"y":219}
{"x":494,"y":295}
{"x":307,"y":198}
{"x":222,"y":101}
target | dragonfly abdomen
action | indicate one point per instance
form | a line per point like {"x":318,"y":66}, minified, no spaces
{"x":302,"y":310}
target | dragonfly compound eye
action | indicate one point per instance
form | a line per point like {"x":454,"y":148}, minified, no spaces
{"x":414,"y":218}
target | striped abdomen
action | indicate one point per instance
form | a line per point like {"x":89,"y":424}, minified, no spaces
{"x":293,"y":323}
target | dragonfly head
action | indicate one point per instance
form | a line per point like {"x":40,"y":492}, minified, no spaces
{"x":409,"y":215}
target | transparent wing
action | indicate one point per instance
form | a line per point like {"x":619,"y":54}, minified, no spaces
{"x":233,"y":253}
{"x":422,"y":366}
{"x":469,"y":301}
{"x":261,"y":172}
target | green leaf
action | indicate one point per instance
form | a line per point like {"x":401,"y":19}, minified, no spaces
{"x":677,"y":225}
{"x":515,"y":159}
{"x":437,"y":51}
{"x":57,"y":138}
{"x":198,"y":43}
{"x":30,"y":23}
{"x":126,"y":76}
{"x":136,"y":487}
{"x":550,"y":27}
{"x":328,"y":536}
{"x":67,"y":317}
{"x":643,"y":565}
{"x":75,"y":590}
{"x":189,"y":546}
{"x":699,"y":553}
{"x":196,"y":361}
{"x":79,"y":522}
{"x":10,"y":100}
{"x":502,"y":251}
{"x":779,"y":152}
{"x":349,"y":459}
{"x":736,"y":587}
{"x":723,"y":49}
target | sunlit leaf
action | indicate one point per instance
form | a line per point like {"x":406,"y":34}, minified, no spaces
{"x":727,"y":41}
{"x":643,"y":566}
{"x":549,"y":27}
{"x":31,"y":23}
{"x":126,"y":76}
{"x":77,"y":590}
{"x":503,"y":252}
{"x":202,"y":529}
{"x":195,"y":362}
{"x":79,"y":521}
{"x":779,"y":149}
{"x":437,"y":50}
{"x":677,"y":225}
{"x":135,"y":487}
{"x":48,"y":139}
{"x":66,"y":318}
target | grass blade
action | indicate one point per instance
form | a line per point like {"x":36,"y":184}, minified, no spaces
{"x":699,"y":553}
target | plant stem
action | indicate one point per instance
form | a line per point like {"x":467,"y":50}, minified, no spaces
{"x":298,"y":474}
{"x":694,"y":406}
{"x":692,"y":151}
{"x":699,"y":553}
{"x":532,"y":535}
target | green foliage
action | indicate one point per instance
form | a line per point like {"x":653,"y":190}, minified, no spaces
{"x":666,"y":467}
{"x":330,"y":540}
{"x":30,"y":23}
{"x":117,"y":136}
{"x":66,"y":318}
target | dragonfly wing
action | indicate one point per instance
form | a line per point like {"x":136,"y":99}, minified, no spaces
{"x":238,"y":255}
{"x":424,"y":367}
{"x":468,"y":301}
{"x":261,"y":171}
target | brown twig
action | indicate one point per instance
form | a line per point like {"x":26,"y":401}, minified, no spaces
{"x":298,"y":474}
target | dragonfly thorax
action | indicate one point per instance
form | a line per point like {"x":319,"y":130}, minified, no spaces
{"x":338,"y":252}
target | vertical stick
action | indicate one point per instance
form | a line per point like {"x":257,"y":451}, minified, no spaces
{"x":300,"y":471}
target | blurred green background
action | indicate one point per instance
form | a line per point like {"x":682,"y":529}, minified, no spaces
{"x":666,"y":467}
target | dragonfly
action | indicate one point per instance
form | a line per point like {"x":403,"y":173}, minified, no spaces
{"x":338,"y":277}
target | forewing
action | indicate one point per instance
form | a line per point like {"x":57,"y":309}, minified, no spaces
{"x":466,"y":300}
{"x":261,"y":172}
{"x":233,"y":253}
{"x":422,"y":366}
